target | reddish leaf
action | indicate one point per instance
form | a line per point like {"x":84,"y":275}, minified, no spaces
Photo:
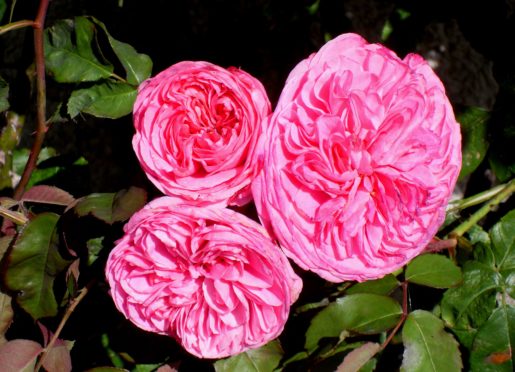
{"x":58,"y":358}
{"x":19,"y":355}
{"x":48,"y":195}
{"x":358,"y":357}
{"x":167,"y":368}
{"x":6,"y":316}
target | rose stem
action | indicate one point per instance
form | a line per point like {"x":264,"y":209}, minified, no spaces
{"x":69,"y":310}
{"x":403,"y":316}
{"x":483,"y":211}
{"x":475,"y":199}
{"x":39,"y":56}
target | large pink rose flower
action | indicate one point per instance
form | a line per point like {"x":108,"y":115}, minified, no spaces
{"x":207,"y":276}
{"x":359,"y":160}
{"x":197,"y":125}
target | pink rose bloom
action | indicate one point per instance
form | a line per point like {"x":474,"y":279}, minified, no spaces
{"x":197,"y":126}
{"x":360,"y":158}
{"x":209,"y":277}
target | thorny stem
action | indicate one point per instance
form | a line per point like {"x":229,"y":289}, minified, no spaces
{"x":461,"y":229}
{"x":16,"y":25}
{"x":403,"y":316}
{"x":39,"y":56}
{"x":69,"y":310}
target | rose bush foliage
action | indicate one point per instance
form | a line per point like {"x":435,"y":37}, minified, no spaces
{"x":197,"y":125}
{"x":359,"y":160}
{"x":208,"y":276}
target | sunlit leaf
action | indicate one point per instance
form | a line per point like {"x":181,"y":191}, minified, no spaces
{"x":48,"y":195}
{"x":493,"y":346}
{"x":358,"y":357}
{"x":262,"y":359}
{"x":69,"y":55}
{"x":427,"y":347}
{"x":433,"y":270}
{"x":383,"y":286}
{"x":365,"y":313}
{"x":19,"y":355}
{"x":33,"y":264}
{"x":475,"y":144}
{"x":138,"y":66}
{"x":110,"y":207}
{"x":105,"y":100}
{"x":4,"y":90}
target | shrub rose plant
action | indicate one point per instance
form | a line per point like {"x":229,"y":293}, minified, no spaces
{"x":208,"y":276}
{"x":359,"y":160}
{"x":197,"y":125}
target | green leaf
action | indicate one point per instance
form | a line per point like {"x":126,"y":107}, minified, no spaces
{"x":300,"y":356}
{"x":110,"y":207}
{"x":466,"y":307}
{"x":433,"y":270}
{"x":383,"y":286}
{"x":74,"y":61}
{"x":427,"y":347}
{"x":138,"y":66}
{"x":503,"y":243}
{"x":3,"y":6}
{"x":263,"y":359}
{"x":105,"y":100}
{"x":127,"y":202}
{"x":493,"y":346}
{"x":99,"y":205}
{"x":9,"y":138}
{"x":94,"y":247}
{"x":33,"y":264}
{"x":39,"y":174}
{"x":5,"y":242}
{"x":146,"y":367}
{"x":4,"y":94}
{"x":358,"y":357}
{"x":475,"y":145}
{"x":22,"y":155}
{"x":365,"y":313}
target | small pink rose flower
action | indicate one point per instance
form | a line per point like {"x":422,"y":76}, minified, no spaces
{"x":197,"y":125}
{"x":359,"y":160}
{"x":207,"y":276}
